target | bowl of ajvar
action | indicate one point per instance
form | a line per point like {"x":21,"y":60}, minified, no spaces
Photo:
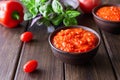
{"x":107,"y":17}
{"x":74,"y":44}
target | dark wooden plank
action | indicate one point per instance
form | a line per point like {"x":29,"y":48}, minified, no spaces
{"x":49,"y":67}
{"x":98,"y":69}
{"x":10,"y":45}
{"x":113,"y":47}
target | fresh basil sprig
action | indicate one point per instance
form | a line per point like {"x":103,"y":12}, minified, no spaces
{"x":70,"y":17}
{"x":57,"y":7}
{"x":69,"y":21}
{"x":72,"y":13}
{"x":53,"y":12}
{"x":46,"y":11}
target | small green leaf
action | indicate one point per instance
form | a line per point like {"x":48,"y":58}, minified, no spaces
{"x":33,"y":11}
{"x":57,"y":20}
{"x":46,"y":11}
{"x":72,"y":13}
{"x":33,"y":1}
{"x":57,"y":7}
{"x":46,"y":22}
{"x":28,"y":5}
{"x":70,"y":21}
{"x":43,"y":1}
{"x":28,"y":16}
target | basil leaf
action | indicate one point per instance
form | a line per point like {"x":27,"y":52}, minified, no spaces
{"x":57,"y":20}
{"x":28,"y":16}
{"x":46,"y":22}
{"x":25,"y":1}
{"x":43,"y":1}
{"x":69,"y":21}
{"x":33,"y":11}
{"x":72,"y":13}
{"x":46,"y":11}
{"x":27,"y":5}
{"x":32,"y":1}
{"x":57,"y":6}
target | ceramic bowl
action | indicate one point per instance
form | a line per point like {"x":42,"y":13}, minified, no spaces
{"x":106,"y":25}
{"x":71,"y":58}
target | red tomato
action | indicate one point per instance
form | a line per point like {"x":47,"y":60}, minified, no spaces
{"x":87,"y":5}
{"x":30,"y":66}
{"x":26,"y":36}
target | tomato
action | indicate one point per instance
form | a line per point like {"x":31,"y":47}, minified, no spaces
{"x":30,"y":66}
{"x":87,"y":5}
{"x":26,"y":36}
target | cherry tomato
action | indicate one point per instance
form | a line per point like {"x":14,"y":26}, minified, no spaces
{"x":26,"y":36}
{"x":30,"y":66}
{"x":87,"y":5}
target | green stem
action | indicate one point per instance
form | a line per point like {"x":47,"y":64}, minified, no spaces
{"x":15,"y":15}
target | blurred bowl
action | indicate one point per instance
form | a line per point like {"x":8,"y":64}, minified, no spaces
{"x":106,"y":25}
{"x":71,"y":57}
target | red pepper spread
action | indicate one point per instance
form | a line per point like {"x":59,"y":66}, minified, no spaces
{"x":111,"y":13}
{"x":75,"y":40}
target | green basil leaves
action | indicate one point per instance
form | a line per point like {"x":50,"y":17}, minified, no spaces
{"x":57,"y":7}
{"x":53,"y":11}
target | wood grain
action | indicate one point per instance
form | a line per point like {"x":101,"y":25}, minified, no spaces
{"x":113,"y":47}
{"x":10,"y":45}
{"x":49,"y":67}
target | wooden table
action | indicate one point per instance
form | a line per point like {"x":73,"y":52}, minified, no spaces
{"x":14,"y":54}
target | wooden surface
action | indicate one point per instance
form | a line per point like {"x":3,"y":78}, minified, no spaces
{"x":14,"y":54}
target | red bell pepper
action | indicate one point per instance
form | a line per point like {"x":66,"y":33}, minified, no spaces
{"x":11,"y":13}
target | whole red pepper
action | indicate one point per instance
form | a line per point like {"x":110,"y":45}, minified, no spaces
{"x":11,"y":13}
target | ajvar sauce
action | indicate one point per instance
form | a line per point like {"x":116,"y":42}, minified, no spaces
{"x":111,"y":13}
{"x":75,"y":40}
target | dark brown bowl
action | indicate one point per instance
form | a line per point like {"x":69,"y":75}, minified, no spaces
{"x":106,"y":25}
{"x":71,"y":58}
